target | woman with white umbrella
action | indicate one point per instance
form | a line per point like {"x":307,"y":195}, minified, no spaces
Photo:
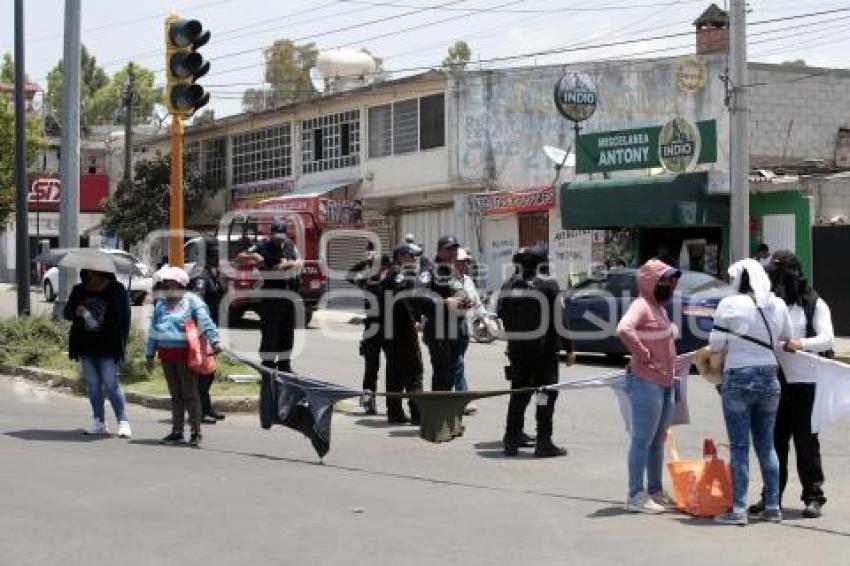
{"x":99,"y":311}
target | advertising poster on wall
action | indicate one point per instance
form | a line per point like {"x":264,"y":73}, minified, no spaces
{"x":572,"y":253}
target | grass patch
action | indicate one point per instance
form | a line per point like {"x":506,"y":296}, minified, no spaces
{"x":42,"y":342}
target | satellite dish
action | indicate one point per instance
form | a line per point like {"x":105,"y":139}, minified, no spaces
{"x":317,"y":79}
{"x":559,"y":156}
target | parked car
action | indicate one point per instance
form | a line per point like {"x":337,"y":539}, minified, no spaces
{"x":139,"y":284}
{"x":594,"y":307}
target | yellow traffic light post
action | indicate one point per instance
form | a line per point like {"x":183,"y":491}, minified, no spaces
{"x":183,"y":66}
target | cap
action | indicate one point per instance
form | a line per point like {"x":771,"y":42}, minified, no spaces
{"x":447,"y":242}
{"x":278,"y":227}
{"x":674,"y":273}
{"x":410,"y":238}
{"x":463,"y":255}
{"x":407,"y":249}
{"x":175,"y":274}
{"x":531,"y":257}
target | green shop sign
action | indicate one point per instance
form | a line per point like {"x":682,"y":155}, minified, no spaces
{"x":677,"y":147}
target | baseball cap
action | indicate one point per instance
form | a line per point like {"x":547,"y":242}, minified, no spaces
{"x":278,"y":227}
{"x":407,"y":249}
{"x":463,"y":255}
{"x":446,"y":242}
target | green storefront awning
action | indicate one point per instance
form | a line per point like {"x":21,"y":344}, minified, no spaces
{"x":662,"y":200}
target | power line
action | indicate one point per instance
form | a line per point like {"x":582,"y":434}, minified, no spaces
{"x":608,"y":8}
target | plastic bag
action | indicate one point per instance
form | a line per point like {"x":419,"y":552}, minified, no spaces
{"x":702,"y":488}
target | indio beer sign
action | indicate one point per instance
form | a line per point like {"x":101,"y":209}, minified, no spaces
{"x":677,"y":147}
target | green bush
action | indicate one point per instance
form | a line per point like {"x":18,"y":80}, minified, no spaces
{"x":32,"y":341}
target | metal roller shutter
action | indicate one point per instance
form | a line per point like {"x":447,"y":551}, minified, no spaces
{"x":382,"y":227}
{"x":428,"y":225}
{"x":342,"y":254}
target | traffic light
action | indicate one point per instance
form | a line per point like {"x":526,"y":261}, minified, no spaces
{"x":184,"y":65}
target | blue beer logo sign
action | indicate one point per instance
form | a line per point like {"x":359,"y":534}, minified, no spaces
{"x":574,"y":99}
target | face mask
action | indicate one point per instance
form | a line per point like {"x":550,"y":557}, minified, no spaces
{"x":663,"y":293}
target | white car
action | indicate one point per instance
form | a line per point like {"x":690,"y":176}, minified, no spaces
{"x":139,"y":286}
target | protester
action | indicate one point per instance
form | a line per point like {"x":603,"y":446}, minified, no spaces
{"x":397,"y":302}
{"x":280,"y":263}
{"x":749,"y":326}
{"x":811,"y":331}
{"x":528,"y":305}
{"x":463,"y":265}
{"x":206,"y":283}
{"x":167,"y":339}
{"x":763,"y":254}
{"x":445,"y":311}
{"x":648,"y":334}
{"x":99,"y":311}
{"x":368,"y":279}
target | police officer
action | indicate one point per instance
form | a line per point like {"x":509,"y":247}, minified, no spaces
{"x":206,"y":283}
{"x":445,"y":315}
{"x":280,"y":263}
{"x":364,"y":276}
{"x":398,"y":312}
{"x":527,"y":305}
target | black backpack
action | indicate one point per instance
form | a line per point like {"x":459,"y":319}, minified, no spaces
{"x":518,"y":307}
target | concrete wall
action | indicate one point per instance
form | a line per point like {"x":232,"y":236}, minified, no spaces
{"x":831,"y":196}
{"x":812,"y":102}
{"x":505,"y":117}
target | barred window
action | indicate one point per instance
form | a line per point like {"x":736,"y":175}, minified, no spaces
{"x":330,"y":142}
{"x":262,"y":154}
{"x":407,"y":126}
{"x":214,"y":156}
{"x":192,"y":157}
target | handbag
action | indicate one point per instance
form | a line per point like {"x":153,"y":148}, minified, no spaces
{"x":702,"y":487}
{"x":201,"y":359}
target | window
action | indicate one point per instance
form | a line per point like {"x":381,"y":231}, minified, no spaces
{"x":407,"y":126}
{"x":432,"y":122}
{"x":214,"y":160}
{"x":330,"y":142}
{"x":262,"y":154}
{"x":381,"y":130}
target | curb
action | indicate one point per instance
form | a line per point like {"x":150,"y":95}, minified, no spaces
{"x":57,"y":380}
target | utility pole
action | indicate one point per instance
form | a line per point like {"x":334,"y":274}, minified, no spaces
{"x":129,"y":98}
{"x":175,"y":249}
{"x":739,"y":123}
{"x":69,"y":166}
{"x":22,"y":257}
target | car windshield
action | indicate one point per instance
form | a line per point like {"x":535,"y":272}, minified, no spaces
{"x":694,"y":282}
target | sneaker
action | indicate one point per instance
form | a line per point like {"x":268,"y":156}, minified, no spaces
{"x":195,"y":439}
{"x":732,"y":518}
{"x":470,"y":409}
{"x":642,"y":503}
{"x":173,"y":438}
{"x":208,"y":419}
{"x":124,"y":430}
{"x":813,"y":510}
{"x":96,"y":427}
{"x":664,"y":499}
{"x":756,"y":511}
{"x":772,"y":515}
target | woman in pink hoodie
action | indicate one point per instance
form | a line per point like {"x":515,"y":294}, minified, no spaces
{"x":648,"y":334}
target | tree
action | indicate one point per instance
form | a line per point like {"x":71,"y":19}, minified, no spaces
{"x":288,"y":75}
{"x":7,"y":154}
{"x":105,"y":104}
{"x":7,"y":69}
{"x":138,"y":208}
{"x":92,"y":79}
{"x":458,"y":56}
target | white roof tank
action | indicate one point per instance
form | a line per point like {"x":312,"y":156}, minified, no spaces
{"x":347,"y":65}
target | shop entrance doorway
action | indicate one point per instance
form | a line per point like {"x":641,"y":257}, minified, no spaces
{"x":533,"y":229}
{"x":695,"y":249}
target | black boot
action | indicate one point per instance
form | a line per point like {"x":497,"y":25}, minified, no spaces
{"x":545,"y":448}
{"x":813,"y":510}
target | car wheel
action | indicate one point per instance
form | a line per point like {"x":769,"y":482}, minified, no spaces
{"x":49,"y":294}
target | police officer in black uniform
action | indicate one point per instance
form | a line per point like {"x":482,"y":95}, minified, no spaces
{"x":444,"y":308}
{"x":369,"y":280}
{"x":206,"y":283}
{"x":527,"y":305}
{"x":280,"y":263}
{"x":398,"y":312}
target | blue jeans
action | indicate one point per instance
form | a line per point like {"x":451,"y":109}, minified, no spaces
{"x":750,"y":402}
{"x":651,"y":408}
{"x":460,"y":370}
{"x":103,"y":373}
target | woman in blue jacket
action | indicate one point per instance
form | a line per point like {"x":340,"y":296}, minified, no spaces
{"x":167,"y":340}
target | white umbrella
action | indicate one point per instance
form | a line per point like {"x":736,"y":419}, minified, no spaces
{"x":90,"y":259}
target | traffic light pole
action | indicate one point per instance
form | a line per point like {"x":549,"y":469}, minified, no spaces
{"x":175,"y":255}
{"x":22,"y":258}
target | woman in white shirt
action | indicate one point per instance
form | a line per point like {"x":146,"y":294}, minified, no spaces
{"x":749,"y":326}
{"x":811,"y":331}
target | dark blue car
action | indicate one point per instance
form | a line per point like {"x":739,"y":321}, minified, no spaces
{"x":593,"y":308}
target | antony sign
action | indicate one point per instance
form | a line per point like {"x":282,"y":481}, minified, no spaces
{"x":677,"y":146}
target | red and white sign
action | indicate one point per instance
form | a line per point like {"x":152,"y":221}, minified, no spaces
{"x":539,"y":199}
{"x":45,"y":193}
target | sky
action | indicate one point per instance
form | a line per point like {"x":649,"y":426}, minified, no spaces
{"x":412,"y":34}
